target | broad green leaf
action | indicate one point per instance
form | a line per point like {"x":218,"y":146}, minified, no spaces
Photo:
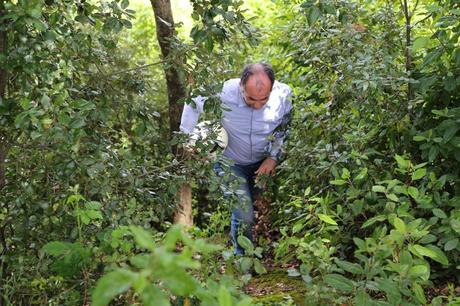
{"x":455,"y":224}
{"x":418,"y":174}
{"x":378,"y":188}
{"x":362,"y":298}
{"x":56,"y":248}
{"x":153,"y":296}
{"x":399,"y":225}
{"x":313,"y":15}
{"x":345,"y":174}
{"x":353,"y":268}
{"x":430,"y":251}
{"x":451,"y":244}
{"x":143,"y":238}
{"x":246,"y":264}
{"x":419,"y":293}
{"x":439,"y":213}
{"x":339,"y":282}
{"x":402,"y":163}
{"x":327,"y":219}
{"x":93,"y":205}
{"x":111,"y":285}
{"x":413,"y":192}
{"x":362,"y":174}
{"x":225,"y":299}
{"x":359,"y":243}
{"x":392,"y":197}
{"x":449,"y":133}
{"x":258,"y":267}
{"x":372,"y":220}
{"x":245,"y":243}
{"x":420,"y":43}
{"x":390,"y":288}
{"x":94,"y":214}
{"x":421,"y":271}
{"x":338,"y":182}
{"x":419,"y":138}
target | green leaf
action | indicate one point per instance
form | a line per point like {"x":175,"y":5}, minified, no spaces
{"x":353,"y":268}
{"x":418,"y":174}
{"x":419,"y":138}
{"x":45,"y":101}
{"x":392,"y":197}
{"x":372,"y":220}
{"x":455,"y":224}
{"x":451,"y":244}
{"x":93,"y":205}
{"x":413,"y":192}
{"x":246,"y":264}
{"x":430,"y":251}
{"x":399,"y":225}
{"x":124,"y":4}
{"x":56,"y":248}
{"x":378,"y":188}
{"x":258,"y":267}
{"x":327,"y":219}
{"x":246,"y":244}
{"x":111,"y":285}
{"x":362,"y":298}
{"x":439,"y":213}
{"x":419,"y":293}
{"x":421,"y":271}
{"x":402,"y":163}
{"x":362,"y":174}
{"x":389,"y":287}
{"x":420,"y":43}
{"x":94,"y":214}
{"x":143,"y":238}
{"x":339,"y":282}
{"x":338,"y":182}
{"x":345,"y":174}
{"x":225,"y":299}
{"x":313,"y":15}
{"x":153,"y":296}
{"x":449,"y":133}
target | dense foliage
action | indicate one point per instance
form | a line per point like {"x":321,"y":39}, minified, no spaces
{"x":366,"y":200}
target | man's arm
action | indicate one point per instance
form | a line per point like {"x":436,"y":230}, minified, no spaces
{"x":275,"y":145}
{"x":190,"y":115}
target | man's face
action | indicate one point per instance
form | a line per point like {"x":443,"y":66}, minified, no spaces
{"x":257,"y":91}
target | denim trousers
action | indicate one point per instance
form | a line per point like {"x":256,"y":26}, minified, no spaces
{"x":242,"y":220}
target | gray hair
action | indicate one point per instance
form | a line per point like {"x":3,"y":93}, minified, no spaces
{"x":256,"y":68}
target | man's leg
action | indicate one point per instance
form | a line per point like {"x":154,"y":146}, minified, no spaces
{"x":242,"y":218}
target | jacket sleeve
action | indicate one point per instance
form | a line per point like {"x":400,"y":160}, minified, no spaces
{"x":191,"y":114}
{"x":279,"y":136}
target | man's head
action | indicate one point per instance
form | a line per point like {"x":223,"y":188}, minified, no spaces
{"x":256,"y":84}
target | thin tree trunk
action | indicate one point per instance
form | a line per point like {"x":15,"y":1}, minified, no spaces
{"x":176,"y":92}
{"x":175,"y":84}
{"x":407,"y":53}
{"x":3,"y":153}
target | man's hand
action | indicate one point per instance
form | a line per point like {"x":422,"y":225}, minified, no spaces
{"x":267,"y":167}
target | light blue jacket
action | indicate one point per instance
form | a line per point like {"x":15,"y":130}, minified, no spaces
{"x":253,"y":134}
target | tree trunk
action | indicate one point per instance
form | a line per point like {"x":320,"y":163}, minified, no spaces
{"x":175,"y":83}
{"x":176,"y":92}
{"x":3,"y":153}
{"x":183,"y":213}
{"x":3,"y":81}
{"x":408,"y":55}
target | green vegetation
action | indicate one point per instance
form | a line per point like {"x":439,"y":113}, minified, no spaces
{"x":365,"y":208}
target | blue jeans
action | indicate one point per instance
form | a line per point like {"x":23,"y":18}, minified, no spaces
{"x":242,"y":219}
